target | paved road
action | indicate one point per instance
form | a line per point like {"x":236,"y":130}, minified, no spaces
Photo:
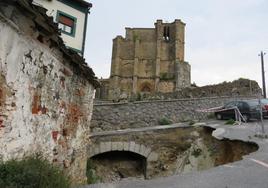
{"x":251,"y":172}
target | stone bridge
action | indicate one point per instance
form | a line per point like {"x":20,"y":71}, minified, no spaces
{"x":160,"y":151}
{"x":149,"y":144}
{"x":149,"y":156}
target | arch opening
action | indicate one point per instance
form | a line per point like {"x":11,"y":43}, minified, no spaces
{"x":116,"y":165}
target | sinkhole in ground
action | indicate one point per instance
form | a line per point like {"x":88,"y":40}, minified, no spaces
{"x":180,"y":150}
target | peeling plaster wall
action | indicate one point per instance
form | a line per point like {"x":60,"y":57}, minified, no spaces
{"x":45,"y":105}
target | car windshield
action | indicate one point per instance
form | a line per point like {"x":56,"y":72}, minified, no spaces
{"x":253,"y":103}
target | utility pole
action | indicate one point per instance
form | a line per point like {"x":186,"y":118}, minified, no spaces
{"x":264,"y":91}
{"x":263,"y":75}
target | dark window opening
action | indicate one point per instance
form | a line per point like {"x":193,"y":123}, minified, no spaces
{"x":166,"y":34}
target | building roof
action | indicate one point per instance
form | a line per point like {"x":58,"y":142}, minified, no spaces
{"x":89,"y":5}
{"x":49,"y":30}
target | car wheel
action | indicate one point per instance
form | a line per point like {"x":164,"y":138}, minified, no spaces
{"x":246,"y":117}
{"x":218,"y":116}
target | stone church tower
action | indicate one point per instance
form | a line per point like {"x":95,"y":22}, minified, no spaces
{"x":147,"y":60}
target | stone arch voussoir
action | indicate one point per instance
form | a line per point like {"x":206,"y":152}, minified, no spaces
{"x":140,"y":149}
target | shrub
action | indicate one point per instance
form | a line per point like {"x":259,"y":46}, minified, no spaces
{"x":91,"y":175}
{"x":164,"y":121}
{"x":196,"y":152}
{"x":31,"y":172}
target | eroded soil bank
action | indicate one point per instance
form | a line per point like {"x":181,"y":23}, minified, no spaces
{"x":180,"y":150}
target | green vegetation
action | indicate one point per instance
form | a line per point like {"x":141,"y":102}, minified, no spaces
{"x":164,"y":121}
{"x":135,"y":37}
{"x":31,"y":172}
{"x":211,"y":116}
{"x":91,"y":175}
{"x":192,"y":122}
{"x":139,"y":97}
{"x":230,"y":122}
{"x":196,"y":152}
{"x":166,"y":76}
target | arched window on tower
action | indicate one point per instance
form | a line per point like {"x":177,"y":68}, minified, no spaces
{"x":166,"y":33}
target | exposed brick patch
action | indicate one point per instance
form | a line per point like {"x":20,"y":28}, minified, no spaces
{"x":80,"y":92}
{"x":66,"y":72}
{"x":37,"y":107}
{"x":64,"y":132}
{"x":2,"y":123}
{"x":1,"y":96}
{"x":74,"y":113}
{"x":43,"y":109}
{"x":62,"y":82}
{"x":55,"y":135}
{"x":36,"y":103}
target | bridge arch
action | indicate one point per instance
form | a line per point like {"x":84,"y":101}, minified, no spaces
{"x":140,"y":149}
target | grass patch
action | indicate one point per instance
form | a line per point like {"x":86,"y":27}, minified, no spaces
{"x":164,"y":121}
{"x":211,"y":116}
{"x":31,"y":172}
{"x":230,"y":122}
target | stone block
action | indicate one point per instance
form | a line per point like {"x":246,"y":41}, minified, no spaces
{"x":108,"y":146}
{"x":96,"y":150}
{"x":102,"y":147}
{"x":152,"y":157}
{"x":91,"y":151}
{"x":114,"y":146}
{"x":147,"y":152}
{"x":142,"y":149}
{"x":120,"y":146}
{"x":137,"y":148}
{"x":132,"y":146}
{"x":126,"y":146}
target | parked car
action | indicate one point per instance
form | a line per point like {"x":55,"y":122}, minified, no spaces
{"x":264,"y":107}
{"x":248,"y":108}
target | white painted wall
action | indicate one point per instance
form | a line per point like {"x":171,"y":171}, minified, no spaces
{"x":29,"y":69}
{"x":54,"y":5}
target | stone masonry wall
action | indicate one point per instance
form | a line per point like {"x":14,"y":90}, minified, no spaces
{"x":116,"y":116}
{"x":45,"y":103}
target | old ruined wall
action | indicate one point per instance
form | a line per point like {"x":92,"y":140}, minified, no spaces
{"x":116,"y":116}
{"x":45,"y":102}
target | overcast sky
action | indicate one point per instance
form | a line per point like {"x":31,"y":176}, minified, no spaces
{"x":223,"y":37}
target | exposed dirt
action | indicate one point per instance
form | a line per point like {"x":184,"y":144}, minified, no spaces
{"x":114,"y":166}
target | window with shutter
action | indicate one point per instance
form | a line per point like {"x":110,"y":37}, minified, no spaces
{"x":66,"y":23}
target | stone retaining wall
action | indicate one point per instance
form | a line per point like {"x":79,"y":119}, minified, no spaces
{"x":114,"y":116}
